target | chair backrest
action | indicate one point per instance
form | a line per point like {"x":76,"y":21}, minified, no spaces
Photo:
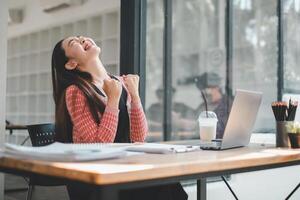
{"x":41,"y":134}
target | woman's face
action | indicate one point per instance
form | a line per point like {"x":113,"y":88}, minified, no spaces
{"x":80,"y":49}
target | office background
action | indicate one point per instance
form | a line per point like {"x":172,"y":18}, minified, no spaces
{"x":249,"y":44}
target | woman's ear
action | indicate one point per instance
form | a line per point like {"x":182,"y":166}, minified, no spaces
{"x":71,"y":64}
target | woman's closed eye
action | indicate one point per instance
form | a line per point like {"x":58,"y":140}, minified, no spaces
{"x":73,"y":41}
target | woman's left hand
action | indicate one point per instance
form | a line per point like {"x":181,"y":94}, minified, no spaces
{"x":132,"y":83}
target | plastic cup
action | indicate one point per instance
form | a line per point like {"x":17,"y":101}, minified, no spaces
{"x":207,"y":128}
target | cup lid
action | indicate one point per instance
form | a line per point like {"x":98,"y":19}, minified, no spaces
{"x":208,"y":116}
{"x":207,"y":120}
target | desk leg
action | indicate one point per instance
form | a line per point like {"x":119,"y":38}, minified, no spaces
{"x":294,"y":190}
{"x":201,"y":189}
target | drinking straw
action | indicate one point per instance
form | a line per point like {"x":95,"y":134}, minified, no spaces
{"x":205,"y":102}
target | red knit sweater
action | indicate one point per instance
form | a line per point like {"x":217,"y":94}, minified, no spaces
{"x":86,"y":130}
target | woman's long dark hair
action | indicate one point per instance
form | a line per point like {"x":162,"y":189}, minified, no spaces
{"x":61,"y":80}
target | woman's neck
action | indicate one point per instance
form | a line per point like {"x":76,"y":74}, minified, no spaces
{"x":98,"y":72}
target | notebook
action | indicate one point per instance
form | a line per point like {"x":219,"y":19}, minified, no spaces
{"x":61,"y":152}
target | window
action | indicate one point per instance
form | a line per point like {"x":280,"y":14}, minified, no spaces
{"x":198,"y":63}
{"x":200,"y":34}
{"x":154,"y":69}
{"x":291,"y":34}
{"x":255,"y":54}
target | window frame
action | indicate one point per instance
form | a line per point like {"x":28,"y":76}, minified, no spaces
{"x":133,"y":50}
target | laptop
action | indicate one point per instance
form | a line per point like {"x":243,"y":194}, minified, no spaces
{"x":240,"y":122}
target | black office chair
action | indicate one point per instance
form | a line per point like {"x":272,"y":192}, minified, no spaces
{"x":41,"y":135}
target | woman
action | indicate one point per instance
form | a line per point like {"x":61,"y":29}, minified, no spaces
{"x":93,"y":106}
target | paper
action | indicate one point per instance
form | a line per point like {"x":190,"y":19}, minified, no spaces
{"x":161,"y":148}
{"x":61,"y":152}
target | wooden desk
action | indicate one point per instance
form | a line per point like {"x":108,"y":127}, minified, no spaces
{"x":151,"y":169}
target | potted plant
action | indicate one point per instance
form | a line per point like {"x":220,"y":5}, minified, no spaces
{"x":293,"y":130}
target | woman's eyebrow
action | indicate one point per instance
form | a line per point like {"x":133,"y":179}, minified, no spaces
{"x":69,"y":43}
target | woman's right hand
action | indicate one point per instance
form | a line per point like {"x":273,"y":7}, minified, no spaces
{"x":113,"y":90}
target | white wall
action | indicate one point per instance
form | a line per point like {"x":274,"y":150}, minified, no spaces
{"x":3,"y":63}
{"x":30,"y":47}
{"x":35,"y":19}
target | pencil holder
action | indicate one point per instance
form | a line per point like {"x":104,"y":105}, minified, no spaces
{"x":282,"y":138}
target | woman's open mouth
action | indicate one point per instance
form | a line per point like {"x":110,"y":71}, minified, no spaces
{"x":87,"y":47}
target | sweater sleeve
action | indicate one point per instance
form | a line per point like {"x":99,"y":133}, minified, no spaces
{"x":87,"y":130}
{"x":138,"y":123}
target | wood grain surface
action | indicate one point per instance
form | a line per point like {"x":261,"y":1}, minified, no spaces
{"x":154,"y":166}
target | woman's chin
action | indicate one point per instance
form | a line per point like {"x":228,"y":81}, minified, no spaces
{"x":94,"y":52}
{"x":99,"y":50}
